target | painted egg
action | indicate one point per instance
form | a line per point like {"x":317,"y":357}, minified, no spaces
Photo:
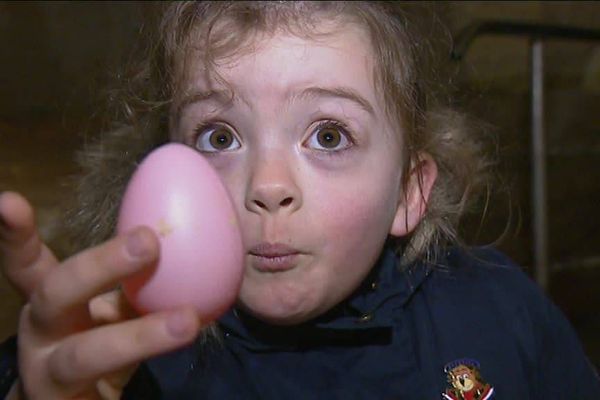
{"x":177,"y":193}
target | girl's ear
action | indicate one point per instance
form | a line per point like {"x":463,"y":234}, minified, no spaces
{"x":414,"y":199}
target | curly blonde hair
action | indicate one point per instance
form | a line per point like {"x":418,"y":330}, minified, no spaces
{"x":147,"y":99}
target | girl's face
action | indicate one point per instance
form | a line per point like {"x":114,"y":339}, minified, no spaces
{"x":311,"y":162}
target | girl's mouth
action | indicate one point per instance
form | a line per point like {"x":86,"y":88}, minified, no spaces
{"x":273,"y":257}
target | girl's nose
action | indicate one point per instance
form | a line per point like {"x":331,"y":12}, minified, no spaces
{"x":273,"y":188}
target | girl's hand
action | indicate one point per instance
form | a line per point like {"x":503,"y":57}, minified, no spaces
{"x":78,"y":340}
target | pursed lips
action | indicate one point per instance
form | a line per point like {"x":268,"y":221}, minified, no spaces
{"x":274,"y":257}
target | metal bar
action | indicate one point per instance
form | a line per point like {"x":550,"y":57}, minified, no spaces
{"x":537,"y":33}
{"x":538,"y":143}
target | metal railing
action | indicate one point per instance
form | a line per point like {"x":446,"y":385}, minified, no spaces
{"x":537,"y":34}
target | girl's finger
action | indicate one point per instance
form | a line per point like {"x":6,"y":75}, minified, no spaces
{"x":108,"y":391}
{"x":87,"y":356}
{"x":60,"y":303}
{"x":25,"y":259}
{"x":110,"y":307}
{"x":111,"y":386}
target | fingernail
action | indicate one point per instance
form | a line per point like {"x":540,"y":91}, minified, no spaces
{"x":180,"y":324}
{"x":137,"y":246}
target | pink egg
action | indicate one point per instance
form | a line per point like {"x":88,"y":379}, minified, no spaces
{"x":177,"y":193}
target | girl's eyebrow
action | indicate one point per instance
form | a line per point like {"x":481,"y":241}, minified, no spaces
{"x":336,"y":92}
{"x":225,"y":97}
{"x":220,"y":96}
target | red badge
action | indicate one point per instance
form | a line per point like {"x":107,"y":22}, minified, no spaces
{"x":466,"y":381}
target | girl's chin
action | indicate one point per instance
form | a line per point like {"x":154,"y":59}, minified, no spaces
{"x":279,"y":304}
{"x":278,"y":314}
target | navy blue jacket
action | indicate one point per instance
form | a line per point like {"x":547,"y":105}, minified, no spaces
{"x":405,"y":334}
{"x":474,"y":322}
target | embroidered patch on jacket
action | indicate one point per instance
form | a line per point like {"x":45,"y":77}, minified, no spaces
{"x":466,"y":381}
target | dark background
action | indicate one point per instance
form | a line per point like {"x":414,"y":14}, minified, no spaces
{"x":57,"y":57}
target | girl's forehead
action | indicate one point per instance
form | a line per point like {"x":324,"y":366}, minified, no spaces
{"x":225,"y":45}
{"x":339,"y":57}
{"x":329,"y":74}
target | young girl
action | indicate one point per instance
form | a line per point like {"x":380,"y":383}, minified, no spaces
{"x":348,"y":179}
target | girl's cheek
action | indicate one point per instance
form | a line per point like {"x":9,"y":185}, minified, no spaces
{"x":359,"y":204}
{"x":225,"y":164}
{"x":348,"y":213}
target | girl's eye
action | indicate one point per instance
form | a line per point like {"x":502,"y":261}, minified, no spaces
{"x":215,"y":138}
{"x":330,"y":136}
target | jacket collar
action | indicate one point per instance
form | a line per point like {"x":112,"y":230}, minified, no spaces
{"x":372,"y":307}
{"x":366,"y":317}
